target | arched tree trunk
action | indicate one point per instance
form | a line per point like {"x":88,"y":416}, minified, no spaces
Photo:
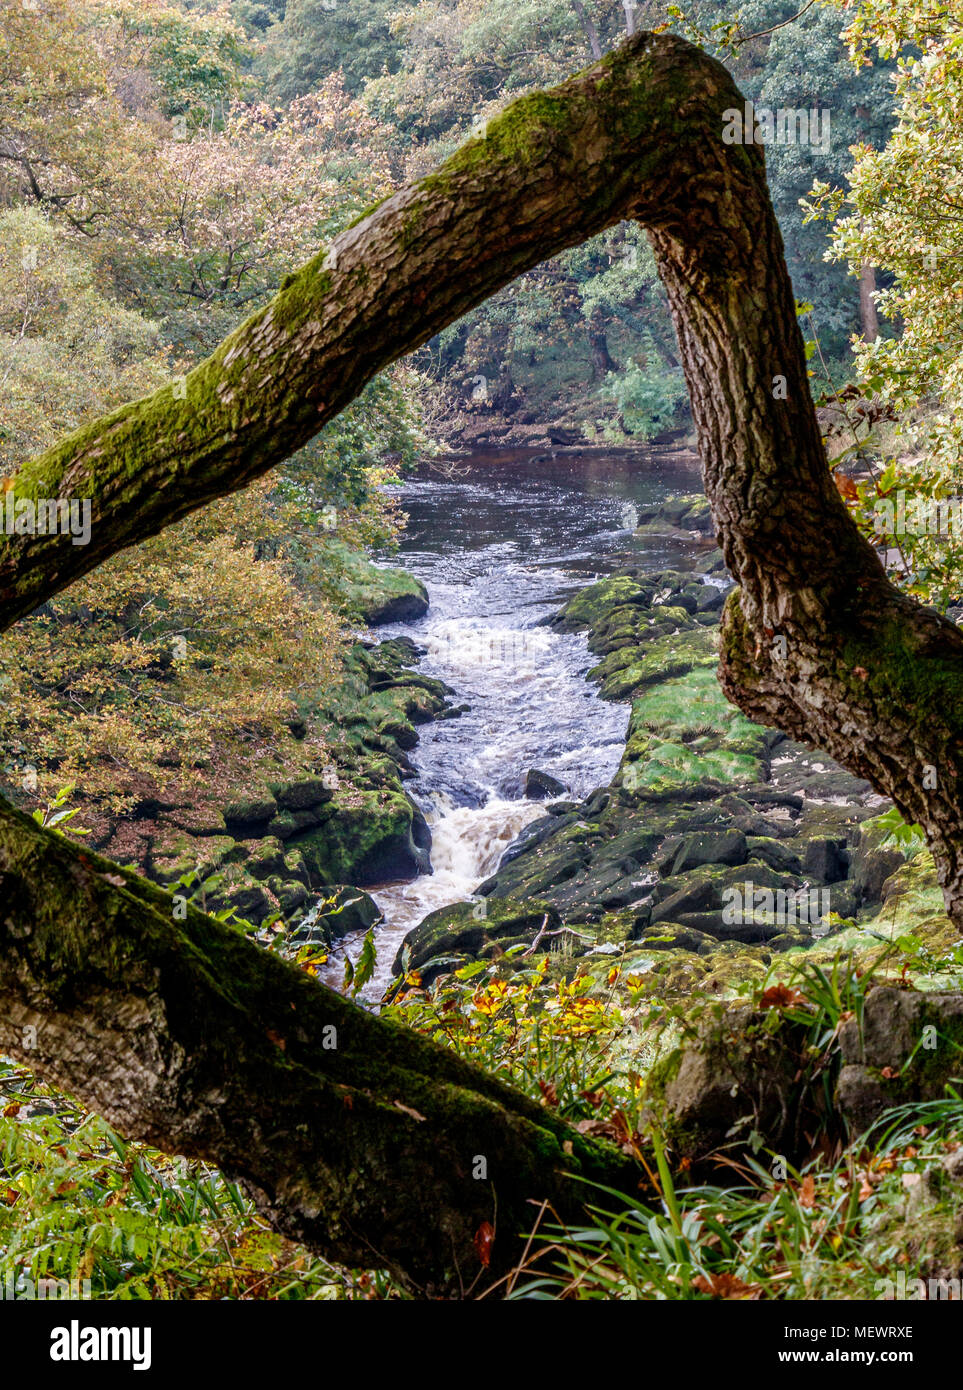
{"x":189,"y":1036}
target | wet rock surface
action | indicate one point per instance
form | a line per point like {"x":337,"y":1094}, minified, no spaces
{"x":482,"y":930}
{"x":715,"y":833}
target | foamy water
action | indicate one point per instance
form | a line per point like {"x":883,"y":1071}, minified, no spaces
{"x":500,"y":549}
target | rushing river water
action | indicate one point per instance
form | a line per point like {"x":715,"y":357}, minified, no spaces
{"x":500,"y":546}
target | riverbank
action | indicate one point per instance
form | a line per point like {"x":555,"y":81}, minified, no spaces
{"x":322,"y":807}
{"x":726,"y":951}
{"x":717,"y":844}
{"x":599,"y":967}
{"x":483,"y":428}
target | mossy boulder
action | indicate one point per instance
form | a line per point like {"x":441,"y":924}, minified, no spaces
{"x":684,"y":733}
{"x":907,"y":1046}
{"x":874,"y":861}
{"x":711,"y":847}
{"x":201,"y":819}
{"x":303,"y":794}
{"x":267,"y":858}
{"x":667,"y":769}
{"x":679,"y":516}
{"x":245,"y":812}
{"x":735,"y":1087}
{"x":377,"y":593}
{"x":594,"y":603}
{"x":911,"y":896}
{"x":175,"y":855}
{"x":291,"y":895}
{"x":780,"y":857}
{"x":665,"y":935}
{"x":475,"y":930}
{"x":252,"y":901}
{"x":367,"y":837}
{"x":627,"y":671}
{"x":745,"y":1079}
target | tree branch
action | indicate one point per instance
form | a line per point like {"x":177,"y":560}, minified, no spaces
{"x":614,"y":142}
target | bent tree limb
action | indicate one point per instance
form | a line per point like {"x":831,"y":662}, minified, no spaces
{"x":171,"y":1029}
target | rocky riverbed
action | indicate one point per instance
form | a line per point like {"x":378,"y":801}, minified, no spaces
{"x":321,"y":813}
{"x":717,"y":844}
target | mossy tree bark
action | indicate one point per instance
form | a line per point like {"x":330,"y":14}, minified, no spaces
{"x":189,"y":1036}
{"x":352,"y":1133}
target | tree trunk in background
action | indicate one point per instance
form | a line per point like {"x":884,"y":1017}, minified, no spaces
{"x":588,"y":27}
{"x":602,"y":362}
{"x":503,"y":398}
{"x":187,"y":1035}
{"x":868,"y":317}
{"x":577,"y":320}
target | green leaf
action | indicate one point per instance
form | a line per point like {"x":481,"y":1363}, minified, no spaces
{"x":366,"y":963}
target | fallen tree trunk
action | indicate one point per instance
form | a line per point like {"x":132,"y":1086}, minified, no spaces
{"x":353,"y":1134}
{"x":182,"y":1032}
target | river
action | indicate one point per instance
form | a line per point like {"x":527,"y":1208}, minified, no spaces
{"x":501,"y":545}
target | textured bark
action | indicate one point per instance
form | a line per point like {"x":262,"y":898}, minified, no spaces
{"x":620,"y":140}
{"x":352,"y":1133}
{"x":816,"y":641}
{"x":602,"y":360}
{"x":188,"y":1036}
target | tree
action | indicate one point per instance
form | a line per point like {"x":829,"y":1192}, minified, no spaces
{"x":67,"y":351}
{"x":544,"y":339}
{"x":185,"y":1034}
{"x":190,"y":655}
{"x":189,"y":651}
{"x":901,"y":213}
{"x":85,"y":81}
{"x":459,"y":61}
{"x":316,"y":38}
